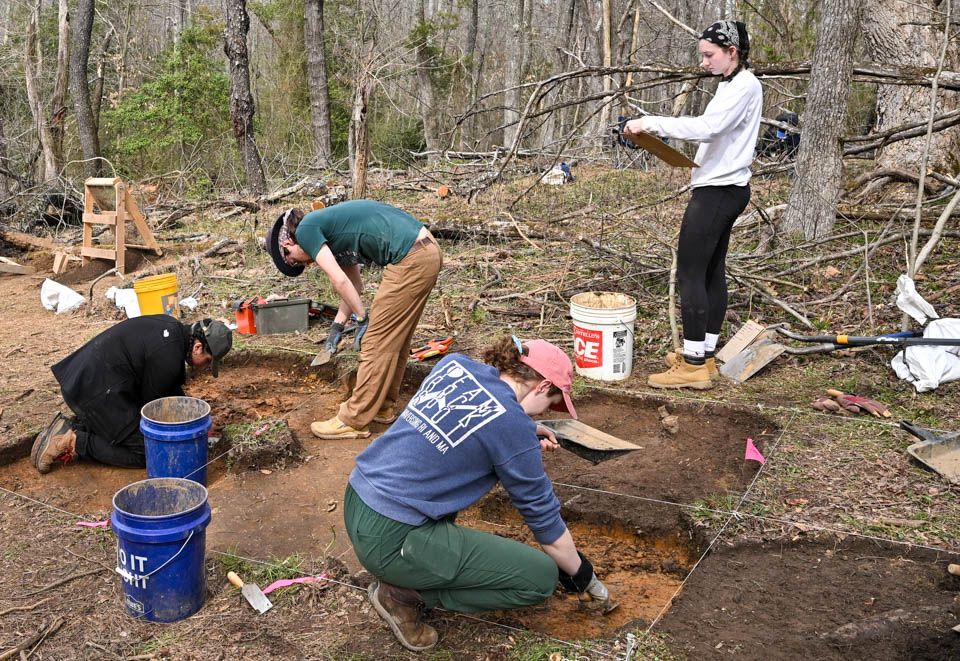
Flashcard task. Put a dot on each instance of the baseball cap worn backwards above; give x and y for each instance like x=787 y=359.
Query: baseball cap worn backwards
x=219 y=340
x=553 y=364
x=275 y=236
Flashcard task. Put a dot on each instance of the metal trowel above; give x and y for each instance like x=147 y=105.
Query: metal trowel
x=252 y=592
x=586 y=441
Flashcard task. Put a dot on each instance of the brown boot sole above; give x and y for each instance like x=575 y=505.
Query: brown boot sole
x=696 y=385
x=385 y=420
x=372 y=594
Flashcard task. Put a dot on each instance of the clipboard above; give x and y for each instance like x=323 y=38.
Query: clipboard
x=660 y=149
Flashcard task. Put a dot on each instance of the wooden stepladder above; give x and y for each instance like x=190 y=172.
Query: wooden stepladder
x=107 y=201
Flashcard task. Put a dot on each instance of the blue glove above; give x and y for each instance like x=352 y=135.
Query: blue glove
x=333 y=340
x=361 y=329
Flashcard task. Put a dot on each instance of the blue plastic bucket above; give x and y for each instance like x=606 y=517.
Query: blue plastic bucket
x=175 y=432
x=161 y=539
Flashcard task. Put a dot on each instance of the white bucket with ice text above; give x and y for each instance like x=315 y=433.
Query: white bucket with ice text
x=603 y=334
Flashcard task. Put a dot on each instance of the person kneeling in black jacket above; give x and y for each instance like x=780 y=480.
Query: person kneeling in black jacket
x=109 y=379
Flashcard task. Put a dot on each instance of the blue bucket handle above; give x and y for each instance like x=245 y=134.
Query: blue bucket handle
x=127 y=576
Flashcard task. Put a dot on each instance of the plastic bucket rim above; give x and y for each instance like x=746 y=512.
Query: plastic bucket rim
x=192 y=484
x=154 y=282
x=631 y=304
x=154 y=421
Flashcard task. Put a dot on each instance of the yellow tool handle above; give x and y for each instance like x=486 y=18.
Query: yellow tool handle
x=835 y=393
x=232 y=576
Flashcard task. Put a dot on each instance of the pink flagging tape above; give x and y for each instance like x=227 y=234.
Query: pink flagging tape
x=94 y=524
x=287 y=582
x=753 y=453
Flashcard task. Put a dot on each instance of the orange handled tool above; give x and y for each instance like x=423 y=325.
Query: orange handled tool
x=435 y=347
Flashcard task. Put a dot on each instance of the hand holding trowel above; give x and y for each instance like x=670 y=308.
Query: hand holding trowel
x=252 y=593
x=335 y=339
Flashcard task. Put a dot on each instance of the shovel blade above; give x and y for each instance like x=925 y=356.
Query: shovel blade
x=753 y=359
x=256 y=598
x=322 y=358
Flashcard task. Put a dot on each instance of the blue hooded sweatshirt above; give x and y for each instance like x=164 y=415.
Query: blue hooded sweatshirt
x=461 y=433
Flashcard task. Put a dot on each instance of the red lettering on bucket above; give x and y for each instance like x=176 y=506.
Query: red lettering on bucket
x=588 y=347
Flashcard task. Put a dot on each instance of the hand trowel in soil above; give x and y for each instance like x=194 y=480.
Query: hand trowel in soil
x=586 y=441
x=252 y=592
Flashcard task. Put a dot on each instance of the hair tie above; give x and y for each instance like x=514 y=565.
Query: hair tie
x=516 y=340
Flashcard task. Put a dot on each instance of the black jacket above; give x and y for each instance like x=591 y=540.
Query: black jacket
x=108 y=380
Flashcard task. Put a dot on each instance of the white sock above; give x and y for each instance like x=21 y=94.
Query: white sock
x=694 y=349
x=710 y=342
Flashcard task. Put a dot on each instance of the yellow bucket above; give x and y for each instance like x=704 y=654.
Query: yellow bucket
x=157 y=294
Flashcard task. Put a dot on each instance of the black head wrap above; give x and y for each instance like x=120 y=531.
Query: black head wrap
x=730 y=33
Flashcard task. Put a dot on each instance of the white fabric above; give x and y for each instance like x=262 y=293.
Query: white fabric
x=61 y=298
x=727 y=131
x=710 y=341
x=692 y=348
x=189 y=303
x=913 y=303
x=125 y=299
x=926 y=367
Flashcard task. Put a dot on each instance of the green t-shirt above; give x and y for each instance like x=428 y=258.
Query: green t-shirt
x=359 y=232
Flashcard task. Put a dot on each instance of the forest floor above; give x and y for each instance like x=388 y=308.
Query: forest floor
x=835 y=548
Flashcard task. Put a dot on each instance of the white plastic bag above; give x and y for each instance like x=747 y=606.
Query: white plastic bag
x=926 y=367
x=61 y=298
x=913 y=303
x=126 y=299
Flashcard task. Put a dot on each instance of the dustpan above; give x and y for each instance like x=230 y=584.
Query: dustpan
x=939 y=453
x=586 y=441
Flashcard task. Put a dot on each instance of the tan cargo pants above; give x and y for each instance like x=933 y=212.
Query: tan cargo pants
x=385 y=347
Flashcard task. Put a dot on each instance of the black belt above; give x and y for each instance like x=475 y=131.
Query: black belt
x=418 y=244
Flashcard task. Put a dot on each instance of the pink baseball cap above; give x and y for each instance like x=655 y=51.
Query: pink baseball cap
x=550 y=362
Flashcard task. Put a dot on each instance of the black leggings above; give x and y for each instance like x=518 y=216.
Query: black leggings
x=701 y=257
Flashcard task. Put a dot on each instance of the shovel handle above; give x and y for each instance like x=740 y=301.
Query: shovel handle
x=233 y=578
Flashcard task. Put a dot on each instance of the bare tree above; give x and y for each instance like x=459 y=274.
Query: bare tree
x=80 y=90
x=58 y=108
x=241 y=100
x=32 y=72
x=360 y=134
x=425 y=62
x=910 y=33
x=811 y=210
x=315 y=43
x=513 y=72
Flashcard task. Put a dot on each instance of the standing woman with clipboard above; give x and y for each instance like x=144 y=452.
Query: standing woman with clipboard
x=727 y=133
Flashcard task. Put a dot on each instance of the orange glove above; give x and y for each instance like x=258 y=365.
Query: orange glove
x=860 y=403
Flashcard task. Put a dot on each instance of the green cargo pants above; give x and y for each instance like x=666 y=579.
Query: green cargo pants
x=451 y=566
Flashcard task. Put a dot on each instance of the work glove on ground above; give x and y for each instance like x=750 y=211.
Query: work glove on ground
x=361 y=329
x=333 y=340
x=580 y=581
x=872 y=407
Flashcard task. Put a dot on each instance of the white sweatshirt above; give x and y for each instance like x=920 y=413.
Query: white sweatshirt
x=727 y=132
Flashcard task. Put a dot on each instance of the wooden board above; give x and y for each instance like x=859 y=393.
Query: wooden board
x=660 y=149
x=8 y=266
x=588 y=436
x=747 y=334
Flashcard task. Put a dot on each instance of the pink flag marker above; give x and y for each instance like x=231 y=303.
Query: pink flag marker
x=753 y=453
x=287 y=582
x=93 y=524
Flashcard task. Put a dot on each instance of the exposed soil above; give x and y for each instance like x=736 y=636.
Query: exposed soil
x=764 y=591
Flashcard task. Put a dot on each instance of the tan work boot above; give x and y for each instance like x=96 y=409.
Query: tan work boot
x=57 y=441
x=671 y=360
x=333 y=429
x=401 y=609
x=386 y=415
x=682 y=375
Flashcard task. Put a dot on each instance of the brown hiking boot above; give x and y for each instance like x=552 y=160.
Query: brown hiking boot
x=682 y=375
x=386 y=415
x=335 y=428
x=671 y=360
x=401 y=609
x=57 y=441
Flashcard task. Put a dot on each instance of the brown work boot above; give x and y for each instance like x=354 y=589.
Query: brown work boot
x=57 y=441
x=401 y=608
x=682 y=375
x=386 y=415
x=334 y=428
x=671 y=360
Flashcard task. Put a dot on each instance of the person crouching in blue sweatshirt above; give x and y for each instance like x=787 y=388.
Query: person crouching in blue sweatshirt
x=466 y=428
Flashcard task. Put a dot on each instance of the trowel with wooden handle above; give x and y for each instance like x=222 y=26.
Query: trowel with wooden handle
x=252 y=592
